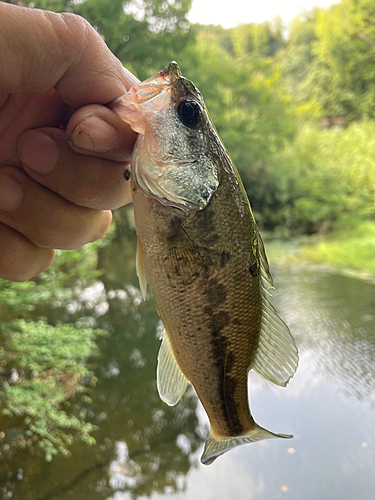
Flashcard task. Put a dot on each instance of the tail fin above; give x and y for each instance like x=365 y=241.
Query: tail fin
x=216 y=446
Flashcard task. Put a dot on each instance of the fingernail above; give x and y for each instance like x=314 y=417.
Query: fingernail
x=94 y=134
x=38 y=151
x=11 y=193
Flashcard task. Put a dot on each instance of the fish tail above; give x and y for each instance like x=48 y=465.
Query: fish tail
x=216 y=446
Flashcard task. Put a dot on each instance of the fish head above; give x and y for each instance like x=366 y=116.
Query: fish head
x=176 y=156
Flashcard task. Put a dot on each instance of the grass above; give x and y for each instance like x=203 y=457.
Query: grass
x=351 y=251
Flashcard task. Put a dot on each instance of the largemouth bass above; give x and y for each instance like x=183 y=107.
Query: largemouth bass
x=200 y=250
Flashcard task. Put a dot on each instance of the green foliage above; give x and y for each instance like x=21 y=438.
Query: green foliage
x=78 y=266
x=299 y=63
x=39 y=347
x=42 y=367
x=329 y=61
x=325 y=179
x=353 y=249
x=247 y=99
x=346 y=46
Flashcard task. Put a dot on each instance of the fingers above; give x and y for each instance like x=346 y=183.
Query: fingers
x=97 y=130
x=20 y=259
x=45 y=218
x=86 y=181
x=50 y=206
x=57 y=50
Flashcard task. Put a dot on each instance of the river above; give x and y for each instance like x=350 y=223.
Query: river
x=144 y=449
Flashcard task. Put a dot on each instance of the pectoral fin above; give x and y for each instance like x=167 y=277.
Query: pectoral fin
x=140 y=267
x=171 y=381
x=277 y=355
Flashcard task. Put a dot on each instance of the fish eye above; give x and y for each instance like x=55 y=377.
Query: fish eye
x=190 y=113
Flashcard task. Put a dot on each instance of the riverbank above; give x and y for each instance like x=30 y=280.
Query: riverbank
x=350 y=252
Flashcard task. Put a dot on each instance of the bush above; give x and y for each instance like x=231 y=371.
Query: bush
x=42 y=367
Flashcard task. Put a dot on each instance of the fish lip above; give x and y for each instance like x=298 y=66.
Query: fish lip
x=150 y=88
x=168 y=76
x=171 y=73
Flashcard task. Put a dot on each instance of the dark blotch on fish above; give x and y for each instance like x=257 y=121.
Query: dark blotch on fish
x=215 y=291
x=218 y=320
x=224 y=258
x=227 y=383
x=254 y=269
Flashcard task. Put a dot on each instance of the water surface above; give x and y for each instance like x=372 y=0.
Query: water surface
x=147 y=449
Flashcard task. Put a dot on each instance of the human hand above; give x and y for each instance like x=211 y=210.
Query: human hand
x=57 y=187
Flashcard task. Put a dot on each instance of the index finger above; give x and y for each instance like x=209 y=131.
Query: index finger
x=42 y=50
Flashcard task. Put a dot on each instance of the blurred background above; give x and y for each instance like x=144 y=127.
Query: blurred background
x=292 y=94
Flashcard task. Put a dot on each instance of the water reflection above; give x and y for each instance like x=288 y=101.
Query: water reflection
x=147 y=449
x=333 y=319
x=151 y=442
x=123 y=472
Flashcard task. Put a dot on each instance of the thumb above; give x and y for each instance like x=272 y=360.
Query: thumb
x=43 y=50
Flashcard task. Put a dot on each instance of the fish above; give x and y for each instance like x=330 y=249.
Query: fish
x=200 y=250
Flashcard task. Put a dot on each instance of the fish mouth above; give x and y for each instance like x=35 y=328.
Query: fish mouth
x=162 y=81
x=150 y=88
x=153 y=95
x=171 y=73
x=169 y=81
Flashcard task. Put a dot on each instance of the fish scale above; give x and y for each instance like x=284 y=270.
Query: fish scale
x=200 y=250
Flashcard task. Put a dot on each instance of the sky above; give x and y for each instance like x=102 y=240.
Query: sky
x=229 y=13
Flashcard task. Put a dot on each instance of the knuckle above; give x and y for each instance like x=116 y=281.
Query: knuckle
x=75 y=23
x=79 y=30
x=90 y=196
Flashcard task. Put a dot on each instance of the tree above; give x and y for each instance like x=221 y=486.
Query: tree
x=299 y=62
x=346 y=46
x=248 y=102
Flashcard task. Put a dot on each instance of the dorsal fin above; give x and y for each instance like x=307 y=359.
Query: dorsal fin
x=277 y=355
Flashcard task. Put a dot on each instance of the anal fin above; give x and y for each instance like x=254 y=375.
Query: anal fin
x=171 y=381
